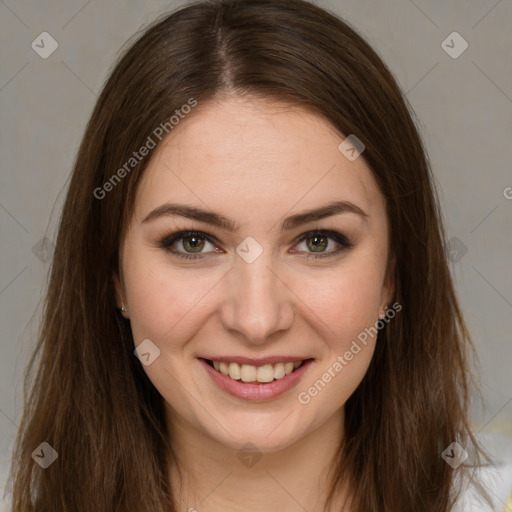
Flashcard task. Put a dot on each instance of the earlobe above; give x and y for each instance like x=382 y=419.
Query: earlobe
x=118 y=289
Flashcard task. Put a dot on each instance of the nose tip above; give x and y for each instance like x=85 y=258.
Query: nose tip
x=259 y=305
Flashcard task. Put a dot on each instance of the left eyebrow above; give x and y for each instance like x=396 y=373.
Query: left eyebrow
x=334 y=208
x=291 y=222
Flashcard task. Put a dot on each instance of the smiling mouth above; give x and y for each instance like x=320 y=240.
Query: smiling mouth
x=258 y=374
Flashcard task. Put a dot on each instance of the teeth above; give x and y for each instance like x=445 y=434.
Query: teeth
x=234 y=371
x=279 y=372
x=265 y=373
x=247 y=372
x=288 y=368
x=250 y=373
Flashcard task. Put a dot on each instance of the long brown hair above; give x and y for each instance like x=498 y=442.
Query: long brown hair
x=91 y=400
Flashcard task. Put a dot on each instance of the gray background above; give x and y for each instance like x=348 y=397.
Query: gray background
x=464 y=107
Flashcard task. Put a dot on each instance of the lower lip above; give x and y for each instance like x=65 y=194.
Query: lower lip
x=257 y=391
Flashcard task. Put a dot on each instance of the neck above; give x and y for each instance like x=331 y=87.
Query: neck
x=214 y=478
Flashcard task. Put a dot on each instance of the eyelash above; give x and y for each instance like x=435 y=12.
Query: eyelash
x=167 y=242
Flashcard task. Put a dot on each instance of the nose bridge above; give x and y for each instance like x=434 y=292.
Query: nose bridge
x=258 y=299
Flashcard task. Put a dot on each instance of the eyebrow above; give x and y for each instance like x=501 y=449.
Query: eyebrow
x=218 y=220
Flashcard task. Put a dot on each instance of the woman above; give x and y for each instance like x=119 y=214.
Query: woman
x=250 y=306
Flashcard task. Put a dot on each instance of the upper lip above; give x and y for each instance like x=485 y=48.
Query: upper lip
x=260 y=361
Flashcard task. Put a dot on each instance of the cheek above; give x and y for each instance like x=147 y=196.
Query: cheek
x=344 y=310
x=162 y=301
x=339 y=302
x=345 y=301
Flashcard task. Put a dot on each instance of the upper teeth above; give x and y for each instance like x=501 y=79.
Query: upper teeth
x=250 y=373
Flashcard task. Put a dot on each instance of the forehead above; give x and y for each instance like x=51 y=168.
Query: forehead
x=255 y=153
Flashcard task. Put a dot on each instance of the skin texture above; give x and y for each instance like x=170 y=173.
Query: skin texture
x=256 y=162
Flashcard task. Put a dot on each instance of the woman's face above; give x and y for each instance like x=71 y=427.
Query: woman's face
x=250 y=290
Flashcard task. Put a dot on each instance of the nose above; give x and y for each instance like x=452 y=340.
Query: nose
x=258 y=302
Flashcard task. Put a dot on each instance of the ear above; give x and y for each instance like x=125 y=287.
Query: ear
x=388 y=290
x=119 y=290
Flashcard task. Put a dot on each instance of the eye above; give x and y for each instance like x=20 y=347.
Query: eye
x=318 y=241
x=193 y=243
